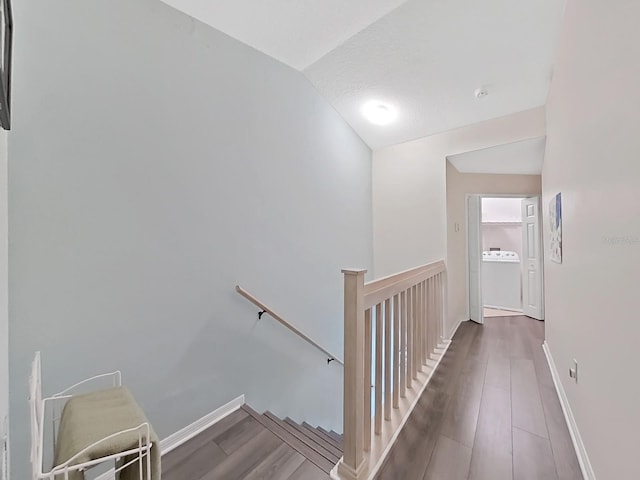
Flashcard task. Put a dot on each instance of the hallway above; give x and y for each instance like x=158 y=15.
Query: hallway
x=489 y=413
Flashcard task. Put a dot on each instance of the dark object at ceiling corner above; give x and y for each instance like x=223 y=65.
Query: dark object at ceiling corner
x=6 y=46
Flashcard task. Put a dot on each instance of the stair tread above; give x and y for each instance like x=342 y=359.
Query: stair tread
x=314 y=436
x=336 y=436
x=327 y=438
x=303 y=438
x=286 y=436
x=331 y=434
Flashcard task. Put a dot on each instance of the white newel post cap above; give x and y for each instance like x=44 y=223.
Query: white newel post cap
x=354 y=271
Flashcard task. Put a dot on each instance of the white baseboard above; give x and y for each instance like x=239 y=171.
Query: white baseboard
x=187 y=433
x=455 y=329
x=578 y=444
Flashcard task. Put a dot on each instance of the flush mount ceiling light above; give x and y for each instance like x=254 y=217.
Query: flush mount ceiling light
x=379 y=113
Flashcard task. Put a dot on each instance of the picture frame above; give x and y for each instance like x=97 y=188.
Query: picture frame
x=6 y=50
x=555 y=228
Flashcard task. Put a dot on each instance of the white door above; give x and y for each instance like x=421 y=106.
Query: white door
x=532 y=291
x=474 y=219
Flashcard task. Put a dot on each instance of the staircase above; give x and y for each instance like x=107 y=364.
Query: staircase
x=321 y=447
x=247 y=445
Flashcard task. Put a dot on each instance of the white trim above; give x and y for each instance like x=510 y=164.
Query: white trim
x=468 y=196
x=507 y=309
x=503 y=224
x=466 y=216
x=333 y=474
x=578 y=444
x=187 y=433
x=454 y=330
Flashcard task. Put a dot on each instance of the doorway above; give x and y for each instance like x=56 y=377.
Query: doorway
x=504 y=256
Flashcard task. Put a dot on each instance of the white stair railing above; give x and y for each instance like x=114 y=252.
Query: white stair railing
x=407 y=311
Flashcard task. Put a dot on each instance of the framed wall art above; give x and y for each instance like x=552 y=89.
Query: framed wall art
x=555 y=228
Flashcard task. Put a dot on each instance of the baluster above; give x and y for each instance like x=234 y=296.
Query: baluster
x=421 y=325
x=427 y=334
x=445 y=303
x=430 y=317
x=397 y=365
x=409 y=338
x=426 y=321
x=367 y=379
x=416 y=340
x=441 y=298
x=403 y=344
x=434 y=312
x=378 y=413
x=387 y=359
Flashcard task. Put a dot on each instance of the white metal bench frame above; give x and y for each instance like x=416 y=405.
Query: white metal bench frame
x=38 y=406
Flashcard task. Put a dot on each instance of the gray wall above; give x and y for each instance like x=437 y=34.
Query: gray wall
x=154 y=164
x=591 y=157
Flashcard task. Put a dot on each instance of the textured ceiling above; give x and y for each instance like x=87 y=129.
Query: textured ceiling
x=296 y=32
x=425 y=57
x=524 y=158
x=428 y=57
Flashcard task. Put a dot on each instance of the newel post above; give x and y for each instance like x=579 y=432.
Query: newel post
x=354 y=464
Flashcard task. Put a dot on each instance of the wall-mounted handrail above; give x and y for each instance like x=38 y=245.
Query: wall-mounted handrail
x=275 y=316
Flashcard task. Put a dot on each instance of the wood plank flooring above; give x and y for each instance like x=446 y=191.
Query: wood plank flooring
x=241 y=446
x=490 y=412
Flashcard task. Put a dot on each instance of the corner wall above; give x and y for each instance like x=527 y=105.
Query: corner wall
x=458 y=186
x=410 y=196
x=155 y=164
x=591 y=157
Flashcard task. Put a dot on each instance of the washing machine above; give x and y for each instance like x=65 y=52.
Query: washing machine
x=501 y=280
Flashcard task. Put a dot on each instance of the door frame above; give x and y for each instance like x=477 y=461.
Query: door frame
x=466 y=253
x=477 y=228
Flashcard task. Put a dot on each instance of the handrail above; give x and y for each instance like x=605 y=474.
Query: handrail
x=277 y=317
x=383 y=288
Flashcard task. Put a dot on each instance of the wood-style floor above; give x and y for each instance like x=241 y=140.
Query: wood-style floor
x=240 y=446
x=490 y=412
x=496 y=312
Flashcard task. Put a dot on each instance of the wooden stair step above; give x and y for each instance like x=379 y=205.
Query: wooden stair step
x=303 y=438
x=312 y=435
x=336 y=436
x=327 y=438
x=336 y=439
x=321 y=461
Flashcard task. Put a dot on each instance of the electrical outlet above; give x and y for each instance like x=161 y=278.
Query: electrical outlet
x=573 y=370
